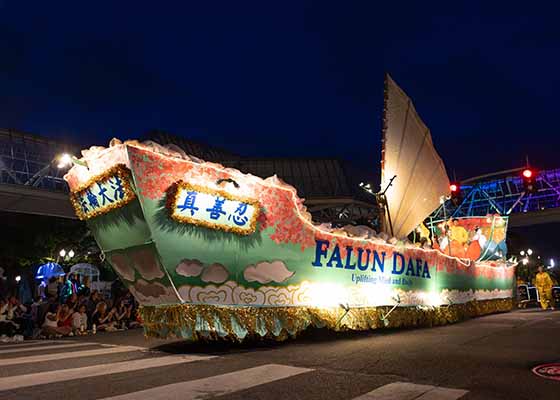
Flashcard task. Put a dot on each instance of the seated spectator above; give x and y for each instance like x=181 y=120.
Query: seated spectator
x=80 y=320
x=123 y=315
x=51 y=325
x=64 y=319
x=7 y=325
x=92 y=302
x=103 y=320
x=21 y=316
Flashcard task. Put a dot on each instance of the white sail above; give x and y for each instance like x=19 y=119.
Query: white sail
x=409 y=154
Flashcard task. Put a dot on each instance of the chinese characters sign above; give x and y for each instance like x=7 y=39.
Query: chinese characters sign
x=213 y=209
x=103 y=193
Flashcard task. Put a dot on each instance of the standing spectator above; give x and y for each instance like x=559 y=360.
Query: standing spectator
x=42 y=290
x=80 y=320
x=544 y=287
x=52 y=287
x=83 y=289
x=73 y=278
x=67 y=289
x=72 y=302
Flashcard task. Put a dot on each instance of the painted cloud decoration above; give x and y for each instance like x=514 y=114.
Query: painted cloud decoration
x=189 y=268
x=266 y=272
x=121 y=264
x=215 y=273
x=147 y=264
x=148 y=293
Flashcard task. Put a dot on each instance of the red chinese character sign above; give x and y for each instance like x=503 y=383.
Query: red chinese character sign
x=103 y=193
x=212 y=209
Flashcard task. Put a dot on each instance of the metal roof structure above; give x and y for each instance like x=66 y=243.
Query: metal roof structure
x=29 y=176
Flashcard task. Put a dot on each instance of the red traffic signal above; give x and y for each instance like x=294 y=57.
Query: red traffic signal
x=529 y=178
x=455 y=190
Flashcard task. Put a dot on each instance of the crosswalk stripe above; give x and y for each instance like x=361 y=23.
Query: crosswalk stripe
x=71 y=354
x=412 y=391
x=215 y=385
x=63 y=375
x=41 y=348
x=30 y=343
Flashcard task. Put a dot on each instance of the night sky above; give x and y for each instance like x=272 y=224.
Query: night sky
x=287 y=79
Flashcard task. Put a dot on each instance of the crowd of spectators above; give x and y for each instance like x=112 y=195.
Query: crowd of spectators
x=67 y=307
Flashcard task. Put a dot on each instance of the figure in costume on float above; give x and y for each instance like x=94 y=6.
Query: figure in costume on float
x=458 y=237
x=476 y=244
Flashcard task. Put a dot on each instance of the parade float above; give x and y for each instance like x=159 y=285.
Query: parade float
x=210 y=252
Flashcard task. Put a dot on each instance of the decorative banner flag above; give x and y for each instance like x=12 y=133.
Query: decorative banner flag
x=212 y=209
x=103 y=193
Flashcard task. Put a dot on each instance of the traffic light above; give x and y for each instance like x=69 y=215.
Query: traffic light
x=455 y=190
x=529 y=177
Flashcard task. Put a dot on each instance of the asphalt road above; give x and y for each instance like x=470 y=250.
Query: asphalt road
x=484 y=358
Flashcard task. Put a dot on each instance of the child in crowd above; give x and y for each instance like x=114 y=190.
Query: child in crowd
x=80 y=320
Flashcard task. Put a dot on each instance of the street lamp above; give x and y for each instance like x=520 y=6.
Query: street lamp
x=64 y=161
x=529 y=251
x=62 y=253
x=18 y=278
x=522 y=252
x=71 y=254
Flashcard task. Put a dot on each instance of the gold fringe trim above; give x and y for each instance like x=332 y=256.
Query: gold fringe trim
x=237 y=323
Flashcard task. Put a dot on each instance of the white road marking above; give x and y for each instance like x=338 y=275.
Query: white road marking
x=215 y=385
x=71 y=354
x=40 y=348
x=30 y=343
x=63 y=375
x=412 y=391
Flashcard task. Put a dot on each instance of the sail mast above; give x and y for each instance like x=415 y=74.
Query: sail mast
x=409 y=154
x=381 y=198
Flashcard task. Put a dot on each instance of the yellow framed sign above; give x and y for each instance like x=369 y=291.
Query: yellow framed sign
x=214 y=209
x=103 y=193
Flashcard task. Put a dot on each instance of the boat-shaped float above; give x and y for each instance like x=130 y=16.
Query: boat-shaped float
x=211 y=252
